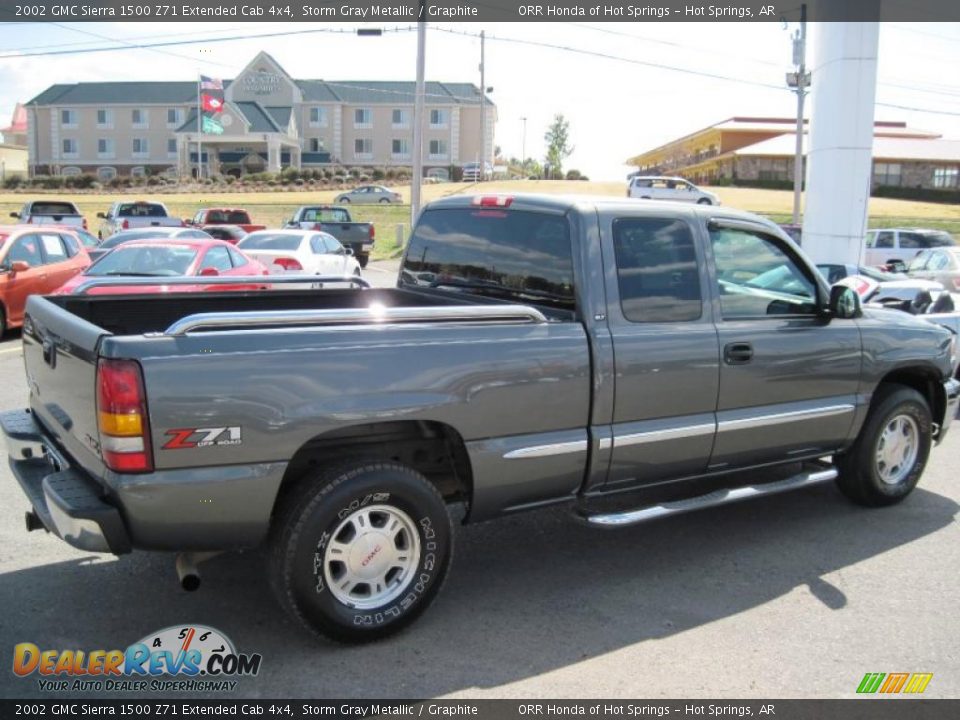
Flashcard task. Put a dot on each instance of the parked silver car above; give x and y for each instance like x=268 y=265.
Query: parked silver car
x=677 y=189
x=896 y=247
x=891 y=286
x=370 y=195
x=941 y=265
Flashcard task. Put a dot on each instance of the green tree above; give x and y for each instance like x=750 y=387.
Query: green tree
x=559 y=148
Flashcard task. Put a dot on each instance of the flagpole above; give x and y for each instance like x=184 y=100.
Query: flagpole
x=199 y=132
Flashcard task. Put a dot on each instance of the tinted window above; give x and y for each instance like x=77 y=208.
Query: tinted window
x=758 y=278
x=26 y=249
x=884 y=240
x=270 y=241
x=499 y=252
x=936 y=239
x=656 y=270
x=141 y=210
x=217 y=257
x=54 y=208
x=911 y=241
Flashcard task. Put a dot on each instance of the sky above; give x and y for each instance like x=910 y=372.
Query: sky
x=624 y=87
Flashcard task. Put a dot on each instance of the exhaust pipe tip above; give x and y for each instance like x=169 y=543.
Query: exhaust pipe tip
x=190 y=582
x=187 y=570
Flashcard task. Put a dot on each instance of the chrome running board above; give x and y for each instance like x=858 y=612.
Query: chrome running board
x=718 y=497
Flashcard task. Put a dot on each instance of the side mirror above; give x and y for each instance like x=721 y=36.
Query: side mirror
x=844 y=303
x=102 y=215
x=209 y=272
x=15 y=215
x=19 y=266
x=348 y=251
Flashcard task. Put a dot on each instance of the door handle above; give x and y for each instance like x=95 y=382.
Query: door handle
x=738 y=353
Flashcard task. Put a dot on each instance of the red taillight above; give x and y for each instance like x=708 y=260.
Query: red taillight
x=125 y=224
x=956 y=284
x=318 y=226
x=372 y=232
x=288 y=263
x=493 y=201
x=84 y=223
x=122 y=417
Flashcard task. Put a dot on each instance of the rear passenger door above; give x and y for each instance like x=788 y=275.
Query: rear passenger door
x=665 y=349
x=788 y=378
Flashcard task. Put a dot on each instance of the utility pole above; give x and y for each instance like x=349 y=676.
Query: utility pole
x=483 y=113
x=799 y=81
x=523 y=148
x=418 y=109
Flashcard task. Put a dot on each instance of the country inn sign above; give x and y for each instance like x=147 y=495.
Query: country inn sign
x=270 y=121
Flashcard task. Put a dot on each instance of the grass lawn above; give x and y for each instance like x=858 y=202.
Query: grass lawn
x=272 y=208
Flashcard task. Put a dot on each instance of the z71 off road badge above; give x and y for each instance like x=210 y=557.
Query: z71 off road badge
x=188 y=438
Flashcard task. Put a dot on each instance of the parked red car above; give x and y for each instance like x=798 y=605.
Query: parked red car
x=34 y=260
x=182 y=257
x=224 y=216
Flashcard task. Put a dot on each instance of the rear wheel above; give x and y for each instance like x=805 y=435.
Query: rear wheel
x=885 y=463
x=357 y=553
x=384 y=201
x=363 y=259
x=704 y=201
x=344 y=200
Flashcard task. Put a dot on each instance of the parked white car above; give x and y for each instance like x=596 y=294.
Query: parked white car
x=898 y=246
x=300 y=252
x=677 y=189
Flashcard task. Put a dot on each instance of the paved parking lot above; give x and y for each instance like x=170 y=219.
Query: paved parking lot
x=793 y=596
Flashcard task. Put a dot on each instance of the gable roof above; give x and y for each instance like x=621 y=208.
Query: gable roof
x=18 y=122
x=258 y=118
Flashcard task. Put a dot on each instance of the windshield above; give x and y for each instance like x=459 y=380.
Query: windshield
x=504 y=253
x=268 y=241
x=228 y=217
x=141 y=210
x=53 y=208
x=148 y=260
x=337 y=215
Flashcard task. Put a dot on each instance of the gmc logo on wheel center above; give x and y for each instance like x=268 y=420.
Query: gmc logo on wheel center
x=188 y=438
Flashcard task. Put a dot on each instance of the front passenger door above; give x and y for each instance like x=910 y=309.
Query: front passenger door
x=788 y=377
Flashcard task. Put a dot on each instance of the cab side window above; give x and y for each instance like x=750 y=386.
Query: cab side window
x=218 y=258
x=884 y=240
x=758 y=278
x=657 y=270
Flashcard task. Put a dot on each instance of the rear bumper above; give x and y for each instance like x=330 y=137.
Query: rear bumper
x=952 y=390
x=66 y=501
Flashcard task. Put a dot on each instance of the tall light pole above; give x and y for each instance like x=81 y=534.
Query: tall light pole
x=483 y=112
x=523 y=148
x=799 y=81
x=418 y=110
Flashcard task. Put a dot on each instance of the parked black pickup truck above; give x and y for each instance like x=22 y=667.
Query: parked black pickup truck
x=337 y=221
x=632 y=360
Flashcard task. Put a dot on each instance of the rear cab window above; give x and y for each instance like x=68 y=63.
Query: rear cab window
x=514 y=255
x=141 y=210
x=53 y=208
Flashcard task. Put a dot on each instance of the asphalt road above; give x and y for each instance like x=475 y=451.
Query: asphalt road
x=792 y=596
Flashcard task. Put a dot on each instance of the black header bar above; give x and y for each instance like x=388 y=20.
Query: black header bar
x=392 y=12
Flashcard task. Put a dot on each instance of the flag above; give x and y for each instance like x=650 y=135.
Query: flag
x=211 y=126
x=208 y=83
x=211 y=104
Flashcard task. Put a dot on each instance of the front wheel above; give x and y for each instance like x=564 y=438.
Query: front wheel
x=384 y=201
x=704 y=201
x=885 y=463
x=344 y=200
x=357 y=553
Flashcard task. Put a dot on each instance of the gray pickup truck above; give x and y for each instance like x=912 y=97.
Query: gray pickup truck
x=631 y=360
x=337 y=221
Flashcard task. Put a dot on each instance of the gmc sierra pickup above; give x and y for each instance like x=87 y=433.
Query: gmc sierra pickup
x=630 y=359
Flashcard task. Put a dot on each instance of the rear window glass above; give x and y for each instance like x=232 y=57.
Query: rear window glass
x=257 y=241
x=937 y=239
x=141 y=210
x=231 y=217
x=325 y=215
x=145 y=260
x=128 y=235
x=498 y=252
x=53 y=208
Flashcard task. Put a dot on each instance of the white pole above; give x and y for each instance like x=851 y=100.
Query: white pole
x=483 y=113
x=801 y=95
x=199 y=132
x=418 y=110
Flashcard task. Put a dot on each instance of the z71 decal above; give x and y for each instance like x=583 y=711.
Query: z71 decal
x=187 y=438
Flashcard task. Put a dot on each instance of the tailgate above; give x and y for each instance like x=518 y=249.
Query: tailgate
x=60 y=356
x=135 y=222
x=70 y=220
x=349 y=233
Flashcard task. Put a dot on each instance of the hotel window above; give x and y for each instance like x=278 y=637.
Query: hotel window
x=438 y=149
x=68 y=118
x=401 y=118
x=886 y=174
x=363 y=148
x=772 y=169
x=138 y=117
x=362 y=118
x=141 y=148
x=105 y=119
x=945 y=177
x=172 y=147
x=174 y=117
x=439 y=118
x=400 y=148
x=318 y=117
x=70 y=147
x=104 y=148
x=316 y=145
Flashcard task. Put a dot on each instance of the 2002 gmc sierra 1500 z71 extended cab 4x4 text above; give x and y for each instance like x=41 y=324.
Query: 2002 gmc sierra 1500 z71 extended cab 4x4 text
x=631 y=359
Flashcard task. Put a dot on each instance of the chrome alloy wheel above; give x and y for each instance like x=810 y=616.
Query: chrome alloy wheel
x=371 y=557
x=897 y=449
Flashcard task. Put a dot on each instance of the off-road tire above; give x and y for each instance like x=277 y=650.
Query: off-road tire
x=363 y=260
x=301 y=535
x=860 y=478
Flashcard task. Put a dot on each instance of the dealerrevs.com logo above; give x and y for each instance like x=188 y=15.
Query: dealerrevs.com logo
x=186 y=658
